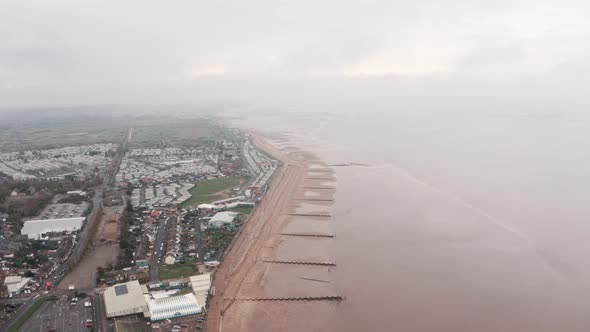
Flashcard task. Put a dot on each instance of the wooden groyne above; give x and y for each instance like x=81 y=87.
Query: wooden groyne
x=308 y=234
x=313 y=199
x=304 y=298
x=327 y=215
x=300 y=263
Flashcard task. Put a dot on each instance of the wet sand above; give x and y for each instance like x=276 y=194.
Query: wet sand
x=259 y=264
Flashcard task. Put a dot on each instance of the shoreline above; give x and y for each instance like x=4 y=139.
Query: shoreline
x=244 y=251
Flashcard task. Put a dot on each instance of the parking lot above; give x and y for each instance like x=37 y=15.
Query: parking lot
x=63 y=210
x=61 y=316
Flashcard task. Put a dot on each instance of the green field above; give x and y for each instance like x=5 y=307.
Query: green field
x=22 y=319
x=244 y=209
x=174 y=131
x=204 y=191
x=177 y=271
x=64 y=129
x=58 y=135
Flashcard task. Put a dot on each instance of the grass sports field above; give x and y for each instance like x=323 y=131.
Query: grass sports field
x=177 y=271
x=208 y=191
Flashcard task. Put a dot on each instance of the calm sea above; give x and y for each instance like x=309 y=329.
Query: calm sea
x=456 y=221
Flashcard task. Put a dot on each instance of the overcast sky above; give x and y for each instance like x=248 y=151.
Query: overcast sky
x=62 y=52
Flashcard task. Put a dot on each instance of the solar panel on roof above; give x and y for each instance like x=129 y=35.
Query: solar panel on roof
x=121 y=290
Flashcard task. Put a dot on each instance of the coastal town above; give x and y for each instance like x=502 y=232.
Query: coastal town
x=125 y=235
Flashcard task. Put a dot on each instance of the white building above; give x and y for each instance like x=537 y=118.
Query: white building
x=126 y=299
x=34 y=228
x=229 y=200
x=15 y=284
x=201 y=284
x=170 y=259
x=207 y=207
x=174 y=306
x=222 y=218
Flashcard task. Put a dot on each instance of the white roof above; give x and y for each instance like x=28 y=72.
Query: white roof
x=174 y=306
x=201 y=285
x=223 y=217
x=163 y=294
x=200 y=280
x=15 y=287
x=12 y=279
x=125 y=299
x=34 y=228
x=231 y=199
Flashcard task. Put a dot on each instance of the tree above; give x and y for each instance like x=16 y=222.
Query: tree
x=36 y=245
x=129 y=189
x=124 y=244
x=129 y=207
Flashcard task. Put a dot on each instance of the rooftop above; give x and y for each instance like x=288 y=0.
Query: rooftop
x=125 y=299
x=174 y=306
x=34 y=228
x=224 y=217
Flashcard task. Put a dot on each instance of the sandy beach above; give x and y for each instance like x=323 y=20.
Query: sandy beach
x=291 y=225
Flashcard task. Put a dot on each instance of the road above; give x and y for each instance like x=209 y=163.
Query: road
x=92 y=218
x=90 y=221
x=159 y=249
x=21 y=310
x=198 y=241
x=61 y=315
x=100 y=313
x=110 y=181
x=17 y=300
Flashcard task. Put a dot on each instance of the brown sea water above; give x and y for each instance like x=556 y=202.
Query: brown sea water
x=455 y=222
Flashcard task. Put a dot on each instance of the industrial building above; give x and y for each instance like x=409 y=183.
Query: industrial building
x=201 y=284
x=126 y=299
x=15 y=284
x=174 y=306
x=222 y=218
x=34 y=229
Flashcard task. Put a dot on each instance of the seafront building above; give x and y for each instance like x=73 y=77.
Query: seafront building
x=172 y=307
x=131 y=298
x=221 y=219
x=126 y=299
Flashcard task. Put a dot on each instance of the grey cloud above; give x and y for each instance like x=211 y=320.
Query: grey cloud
x=70 y=52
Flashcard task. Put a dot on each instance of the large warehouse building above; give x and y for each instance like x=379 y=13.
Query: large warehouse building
x=131 y=298
x=34 y=229
x=126 y=299
x=174 y=306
